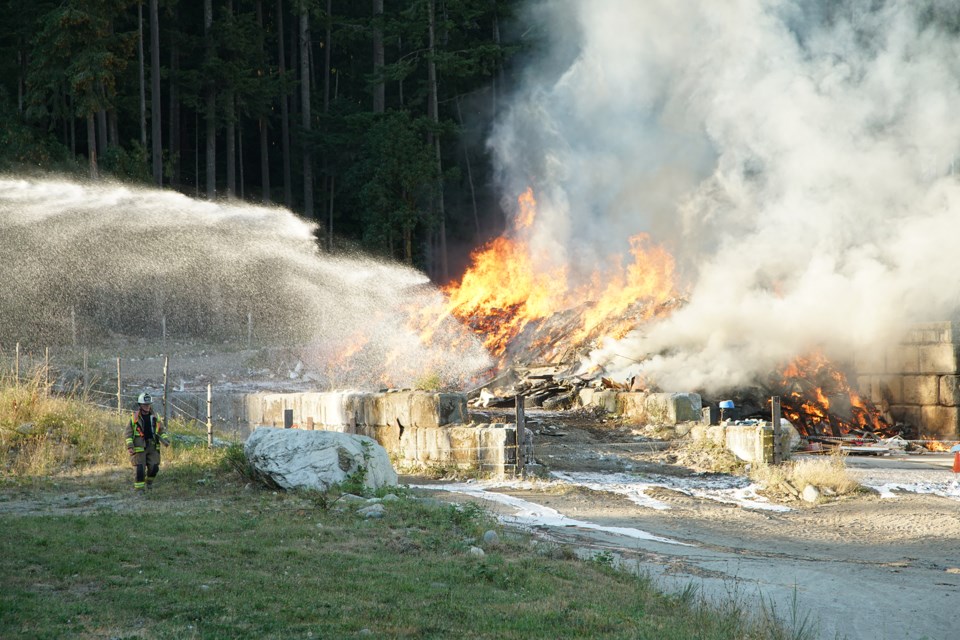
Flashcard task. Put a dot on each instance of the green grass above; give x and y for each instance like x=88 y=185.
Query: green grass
x=214 y=560
x=209 y=553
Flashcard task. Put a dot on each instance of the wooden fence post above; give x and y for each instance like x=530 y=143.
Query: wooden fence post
x=166 y=402
x=521 y=428
x=775 y=417
x=210 y=415
x=119 y=387
x=86 y=374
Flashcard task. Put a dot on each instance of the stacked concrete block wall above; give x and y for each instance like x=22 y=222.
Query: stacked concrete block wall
x=650 y=408
x=918 y=379
x=416 y=428
x=749 y=442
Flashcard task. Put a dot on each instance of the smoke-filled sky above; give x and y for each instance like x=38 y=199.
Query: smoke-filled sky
x=798 y=157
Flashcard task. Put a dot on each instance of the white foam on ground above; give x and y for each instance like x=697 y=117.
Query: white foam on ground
x=724 y=489
x=531 y=514
x=887 y=482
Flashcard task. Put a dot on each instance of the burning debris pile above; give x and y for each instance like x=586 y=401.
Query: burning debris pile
x=541 y=326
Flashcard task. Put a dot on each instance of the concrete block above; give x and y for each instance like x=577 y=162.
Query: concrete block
x=396 y=409
x=939 y=358
x=387 y=435
x=921 y=389
x=941 y=423
x=717 y=434
x=585 y=396
x=868 y=386
x=950 y=391
x=903 y=359
x=933 y=333
x=437 y=409
x=891 y=389
x=408 y=446
x=463 y=446
x=742 y=441
x=908 y=414
x=698 y=432
x=604 y=398
x=495 y=445
x=660 y=408
x=710 y=415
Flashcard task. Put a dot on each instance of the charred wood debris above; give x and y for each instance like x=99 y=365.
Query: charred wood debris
x=854 y=429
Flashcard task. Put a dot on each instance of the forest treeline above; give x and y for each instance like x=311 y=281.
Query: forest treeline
x=366 y=116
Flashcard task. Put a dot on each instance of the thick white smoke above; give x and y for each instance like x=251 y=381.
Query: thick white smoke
x=797 y=157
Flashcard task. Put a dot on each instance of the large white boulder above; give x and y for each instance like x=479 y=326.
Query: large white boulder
x=317 y=459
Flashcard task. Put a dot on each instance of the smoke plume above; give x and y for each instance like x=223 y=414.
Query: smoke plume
x=798 y=157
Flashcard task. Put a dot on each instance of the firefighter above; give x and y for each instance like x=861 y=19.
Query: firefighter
x=144 y=435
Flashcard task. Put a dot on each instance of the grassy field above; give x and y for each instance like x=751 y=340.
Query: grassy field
x=210 y=554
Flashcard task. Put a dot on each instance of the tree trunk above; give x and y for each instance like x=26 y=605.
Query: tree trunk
x=231 y=151
x=435 y=116
x=400 y=81
x=143 y=82
x=21 y=79
x=262 y=124
x=231 y=132
x=473 y=191
x=157 y=141
x=113 y=129
x=284 y=112
x=92 y=146
x=496 y=80
x=331 y=182
x=211 y=105
x=379 y=94
x=174 y=119
x=73 y=129
x=240 y=158
x=101 y=131
x=327 y=47
x=305 y=109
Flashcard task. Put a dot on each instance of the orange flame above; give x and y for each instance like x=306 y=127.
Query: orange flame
x=935 y=445
x=811 y=382
x=507 y=288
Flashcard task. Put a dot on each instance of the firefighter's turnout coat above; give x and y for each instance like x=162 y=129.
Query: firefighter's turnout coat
x=143 y=430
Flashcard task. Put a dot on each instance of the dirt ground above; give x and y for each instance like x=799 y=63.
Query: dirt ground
x=859 y=567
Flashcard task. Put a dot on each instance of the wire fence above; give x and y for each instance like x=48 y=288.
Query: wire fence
x=70 y=373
